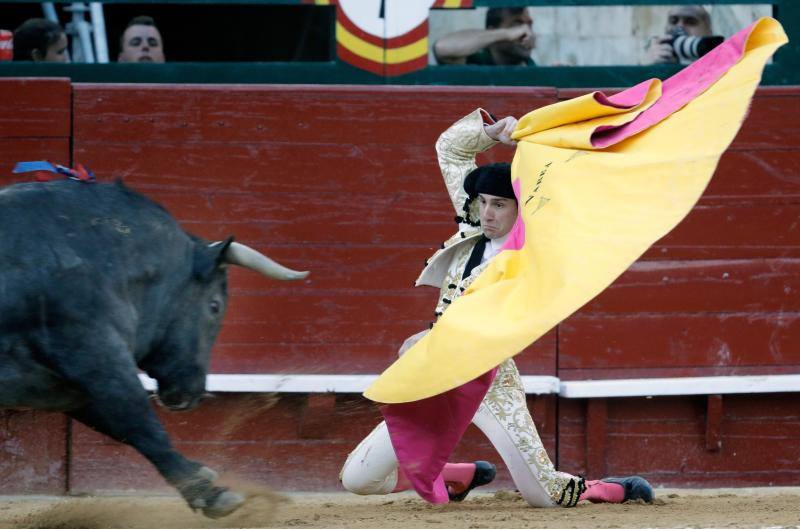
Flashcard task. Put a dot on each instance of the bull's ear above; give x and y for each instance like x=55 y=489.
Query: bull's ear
x=209 y=257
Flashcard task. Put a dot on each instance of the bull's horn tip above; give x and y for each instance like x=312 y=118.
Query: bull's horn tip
x=298 y=275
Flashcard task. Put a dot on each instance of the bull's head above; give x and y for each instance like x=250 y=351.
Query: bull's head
x=180 y=362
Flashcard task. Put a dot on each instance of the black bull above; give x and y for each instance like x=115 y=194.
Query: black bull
x=97 y=282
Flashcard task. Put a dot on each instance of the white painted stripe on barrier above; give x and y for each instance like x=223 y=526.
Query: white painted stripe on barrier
x=534 y=385
x=296 y=383
x=654 y=387
x=541 y=385
x=279 y=383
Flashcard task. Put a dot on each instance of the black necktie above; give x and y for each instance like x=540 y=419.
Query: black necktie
x=476 y=256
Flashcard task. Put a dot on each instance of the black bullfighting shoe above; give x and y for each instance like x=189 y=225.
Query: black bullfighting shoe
x=484 y=474
x=636 y=488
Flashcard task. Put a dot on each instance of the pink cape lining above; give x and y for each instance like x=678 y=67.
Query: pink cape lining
x=424 y=433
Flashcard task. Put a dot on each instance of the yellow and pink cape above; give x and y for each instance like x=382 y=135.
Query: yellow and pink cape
x=599 y=179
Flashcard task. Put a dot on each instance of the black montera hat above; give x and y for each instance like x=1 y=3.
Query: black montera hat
x=493 y=179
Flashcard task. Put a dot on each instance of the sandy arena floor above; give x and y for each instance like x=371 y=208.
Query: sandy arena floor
x=776 y=508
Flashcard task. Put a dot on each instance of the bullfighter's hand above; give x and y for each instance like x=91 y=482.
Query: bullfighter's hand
x=501 y=131
x=410 y=341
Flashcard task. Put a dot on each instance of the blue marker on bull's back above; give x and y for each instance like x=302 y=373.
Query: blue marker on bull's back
x=45 y=171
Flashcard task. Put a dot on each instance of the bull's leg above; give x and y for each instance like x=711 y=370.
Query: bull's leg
x=99 y=365
x=130 y=419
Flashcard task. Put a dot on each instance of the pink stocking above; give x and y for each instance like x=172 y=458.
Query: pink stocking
x=601 y=492
x=458 y=475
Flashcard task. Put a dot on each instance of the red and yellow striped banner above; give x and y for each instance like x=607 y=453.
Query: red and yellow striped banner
x=363 y=39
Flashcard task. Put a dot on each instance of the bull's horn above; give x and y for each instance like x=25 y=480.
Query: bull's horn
x=243 y=255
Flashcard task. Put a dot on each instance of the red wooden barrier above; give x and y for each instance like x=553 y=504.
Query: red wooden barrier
x=665 y=440
x=343 y=181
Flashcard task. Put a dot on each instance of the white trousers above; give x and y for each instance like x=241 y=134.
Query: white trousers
x=504 y=418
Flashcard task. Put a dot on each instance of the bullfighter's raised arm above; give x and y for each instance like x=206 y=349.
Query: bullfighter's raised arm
x=458 y=146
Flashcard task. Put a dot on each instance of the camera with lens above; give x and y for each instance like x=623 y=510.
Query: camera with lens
x=688 y=48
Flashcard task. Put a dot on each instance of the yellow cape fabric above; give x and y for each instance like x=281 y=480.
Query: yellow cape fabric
x=588 y=214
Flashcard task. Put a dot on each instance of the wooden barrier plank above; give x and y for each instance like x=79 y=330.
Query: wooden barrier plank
x=279 y=321
x=773 y=121
x=663 y=439
x=269 y=168
x=756 y=174
x=315 y=219
x=613 y=373
x=733 y=231
x=728 y=232
x=722 y=231
x=289 y=357
x=32 y=452
x=714 y=417
x=758 y=285
x=596 y=437
x=272 y=167
x=686 y=340
x=360 y=354
x=335 y=320
x=345 y=268
x=278 y=167
x=389 y=115
x=632 y=420
x=35 y=108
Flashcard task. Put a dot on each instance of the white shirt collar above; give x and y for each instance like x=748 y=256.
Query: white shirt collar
x=493 y=247
x=498 y=243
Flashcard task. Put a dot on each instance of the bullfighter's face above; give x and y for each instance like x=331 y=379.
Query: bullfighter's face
x=497 y=214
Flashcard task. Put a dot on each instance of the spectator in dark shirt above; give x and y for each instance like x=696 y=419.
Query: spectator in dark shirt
x=507 y=41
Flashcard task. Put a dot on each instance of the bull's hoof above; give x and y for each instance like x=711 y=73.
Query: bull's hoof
x=206 y=473
x=224 y=504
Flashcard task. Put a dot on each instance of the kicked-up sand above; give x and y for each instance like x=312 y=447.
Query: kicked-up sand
x=773 y=508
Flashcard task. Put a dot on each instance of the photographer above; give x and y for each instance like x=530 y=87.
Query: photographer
x=682 y=21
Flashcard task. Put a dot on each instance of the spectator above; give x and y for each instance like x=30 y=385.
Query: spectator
x=141 y=41
x=40 y=40
x=692 y=20
x=507 y=41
